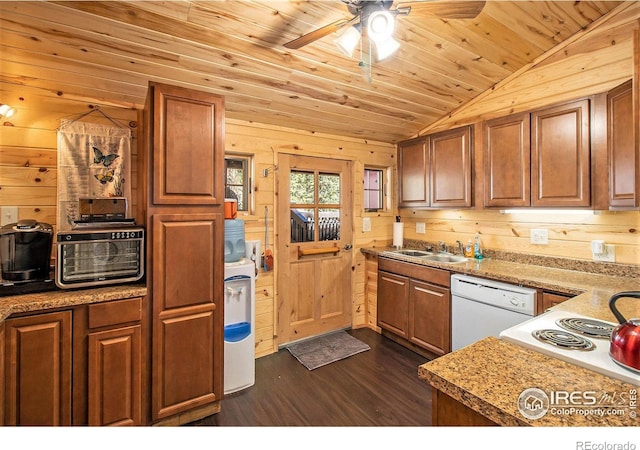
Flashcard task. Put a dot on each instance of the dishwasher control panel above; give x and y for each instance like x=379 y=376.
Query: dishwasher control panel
x=494 y=293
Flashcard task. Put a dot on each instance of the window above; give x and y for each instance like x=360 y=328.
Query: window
x=373 y=189
x=314 y=195
x=237 y=180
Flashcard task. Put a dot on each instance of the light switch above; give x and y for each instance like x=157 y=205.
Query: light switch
x=9 y=215
x=420 y=227
x=540 y=236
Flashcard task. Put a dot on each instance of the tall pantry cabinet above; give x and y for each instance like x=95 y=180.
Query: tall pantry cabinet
x=181 y=202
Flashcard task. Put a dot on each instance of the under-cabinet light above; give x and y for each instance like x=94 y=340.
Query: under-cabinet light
x=574 y=212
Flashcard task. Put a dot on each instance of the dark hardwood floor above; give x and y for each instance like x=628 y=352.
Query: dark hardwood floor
x=379 y=387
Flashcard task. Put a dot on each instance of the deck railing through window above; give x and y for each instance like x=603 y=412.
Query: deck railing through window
x=303 y=227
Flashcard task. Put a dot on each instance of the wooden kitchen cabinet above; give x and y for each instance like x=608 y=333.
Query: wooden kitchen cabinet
x=393 y=303
x=507 y=161
x=181 y=203
x=2 y=344
x=413 y=172
x=108 y=363
x=38 y=369
x=623 y=148
x=560 y=139
x=435 y=171
x=523 y=152
x=430 y=317
x=414 y=304
x=549 y=299
x=446 y=411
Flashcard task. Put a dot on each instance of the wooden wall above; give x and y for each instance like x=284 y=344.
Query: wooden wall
x=589 y=65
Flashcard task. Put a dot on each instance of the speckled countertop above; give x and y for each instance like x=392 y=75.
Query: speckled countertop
x=66 y=298
x=489 y=375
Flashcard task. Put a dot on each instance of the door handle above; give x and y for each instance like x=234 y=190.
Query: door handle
x=348 y=246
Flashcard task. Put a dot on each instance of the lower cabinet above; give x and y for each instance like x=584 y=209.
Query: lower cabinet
x=548 y=299
x=414 y=305
x=81 y=366
x=447 y=411
x=38 y=370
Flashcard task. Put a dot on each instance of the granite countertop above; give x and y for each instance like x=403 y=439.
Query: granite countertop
x=489 y=375
x=66 y=298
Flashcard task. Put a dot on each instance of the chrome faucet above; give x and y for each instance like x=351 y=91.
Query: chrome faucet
x=460 y=247
x=442 y=247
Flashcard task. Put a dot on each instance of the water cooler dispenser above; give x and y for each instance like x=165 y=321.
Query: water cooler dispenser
x=239 y=312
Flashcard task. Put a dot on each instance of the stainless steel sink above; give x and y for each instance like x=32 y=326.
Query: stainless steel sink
x=408 y=252
x=445 y=258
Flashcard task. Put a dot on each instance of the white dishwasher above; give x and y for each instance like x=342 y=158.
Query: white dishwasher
x=482 y=308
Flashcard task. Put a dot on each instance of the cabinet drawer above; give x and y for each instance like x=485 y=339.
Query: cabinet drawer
x=416 y=271
x=116 y=312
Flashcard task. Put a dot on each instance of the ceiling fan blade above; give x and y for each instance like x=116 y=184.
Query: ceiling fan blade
x=319 y=33
x=445 y=9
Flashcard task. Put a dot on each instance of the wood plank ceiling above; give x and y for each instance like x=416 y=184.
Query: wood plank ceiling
x=106 y=52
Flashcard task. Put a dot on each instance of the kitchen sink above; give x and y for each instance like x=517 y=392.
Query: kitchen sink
x=445 y=258
x=419 y=253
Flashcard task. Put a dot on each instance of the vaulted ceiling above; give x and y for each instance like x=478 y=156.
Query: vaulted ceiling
x=106 y=52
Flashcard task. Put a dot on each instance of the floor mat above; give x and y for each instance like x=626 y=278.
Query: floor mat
x=323 y=350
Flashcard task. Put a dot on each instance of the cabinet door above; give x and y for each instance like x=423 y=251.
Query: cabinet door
x=2 y=345
x=549 y=299
x=188 y=154
x=115 y=381
x=561 y=144
x=38 y=370
x=413 y=169
x=393 y=303
x=624 y=177
x=187 y=286
x=450 y=168
x=430 y=317
x=507 y=161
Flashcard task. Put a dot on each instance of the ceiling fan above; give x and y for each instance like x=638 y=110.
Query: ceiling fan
x=375 y=18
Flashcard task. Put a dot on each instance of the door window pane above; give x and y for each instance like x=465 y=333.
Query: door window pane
x=302 y=188
x=329 y=224
x=302 y=225
x=329 y=189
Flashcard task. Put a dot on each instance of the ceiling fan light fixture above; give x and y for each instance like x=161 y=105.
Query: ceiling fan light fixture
x=386 y=48
x=348 y=40
x=6 y=110
x=380 y=26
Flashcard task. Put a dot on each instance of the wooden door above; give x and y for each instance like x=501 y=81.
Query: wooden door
x=393 y=303
x=115 y=377
x=314 y=246
x=187 y=310
x=450 y=168
x=624 y=159
x=560 y=144
x=430 y=317
x=38 y=370
x=507 y=161
x=413 y=170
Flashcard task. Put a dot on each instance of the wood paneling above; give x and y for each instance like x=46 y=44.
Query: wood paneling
x=235 y=49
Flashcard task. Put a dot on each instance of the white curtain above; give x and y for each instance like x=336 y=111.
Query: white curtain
x=94 y=161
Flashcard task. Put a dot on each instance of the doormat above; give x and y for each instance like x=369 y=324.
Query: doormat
x=323 y=350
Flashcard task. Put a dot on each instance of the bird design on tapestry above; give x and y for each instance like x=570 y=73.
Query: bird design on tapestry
x=101 y=158
x=105 y=178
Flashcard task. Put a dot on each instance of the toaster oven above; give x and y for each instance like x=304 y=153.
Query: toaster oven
x=94 y=257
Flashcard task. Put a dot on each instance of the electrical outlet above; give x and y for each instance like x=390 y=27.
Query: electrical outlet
x=609 y=254
x=420 y=227
x=9 y=215
x=366 y=224
x=540 y=236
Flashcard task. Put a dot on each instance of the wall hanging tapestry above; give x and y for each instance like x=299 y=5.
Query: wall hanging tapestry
x=94 y=161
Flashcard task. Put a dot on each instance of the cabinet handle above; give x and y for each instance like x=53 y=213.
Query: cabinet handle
x=427 y=291
x=393 y=281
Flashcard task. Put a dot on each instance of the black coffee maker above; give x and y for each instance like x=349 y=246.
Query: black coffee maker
x=25 y=250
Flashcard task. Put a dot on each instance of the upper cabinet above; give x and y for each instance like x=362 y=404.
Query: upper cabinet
x=622 y=149
x=560 y=142
x=523 y=153
x=188 y=156
x=435 y=170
